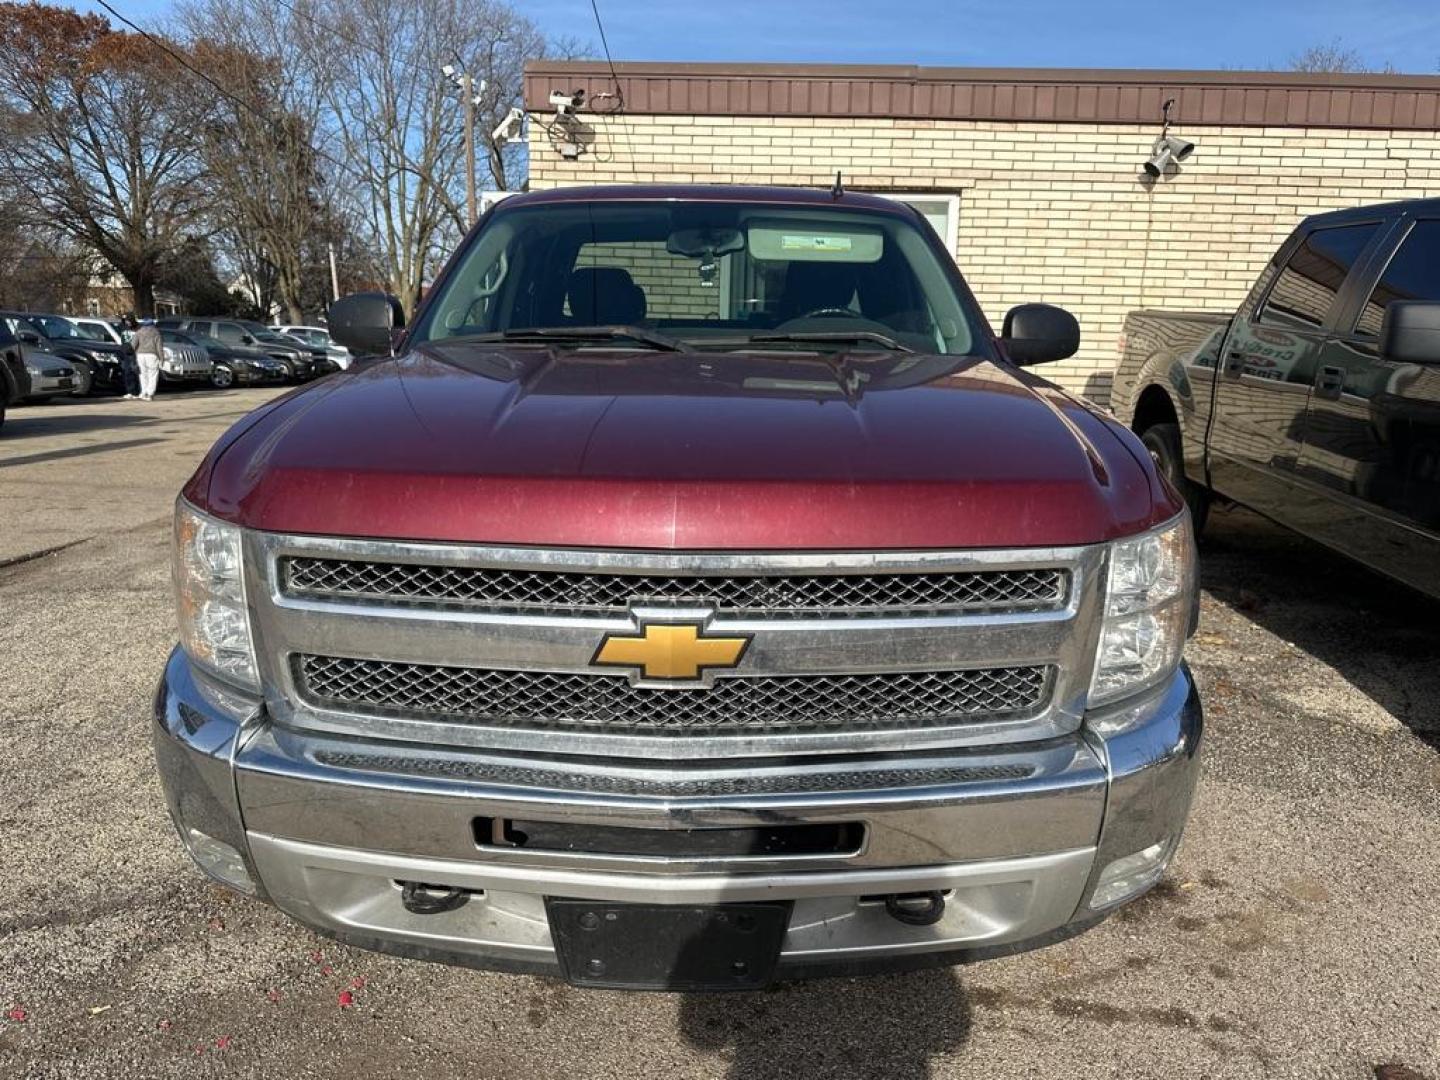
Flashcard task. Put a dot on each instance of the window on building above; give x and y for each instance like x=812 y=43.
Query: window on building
x=1413 y=274
x=940 y=210
x=1305 y=290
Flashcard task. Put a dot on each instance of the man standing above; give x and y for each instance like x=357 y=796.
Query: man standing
x=149 y=347
x=129 y=369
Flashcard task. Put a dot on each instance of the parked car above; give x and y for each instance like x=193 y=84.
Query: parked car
x=238 y=365
x=689 y=621
x=47 y=374
x=319 y=336
x=1317 y=403
x=320 y=361
x=14 y=375
x=297 y=361
x=184 y=361
x=95 y=364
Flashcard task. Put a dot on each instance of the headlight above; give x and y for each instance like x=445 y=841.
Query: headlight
x=210 y=597
x=1149 y=605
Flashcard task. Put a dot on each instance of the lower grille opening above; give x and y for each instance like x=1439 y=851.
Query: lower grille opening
x=748 y=705
x=764 y=841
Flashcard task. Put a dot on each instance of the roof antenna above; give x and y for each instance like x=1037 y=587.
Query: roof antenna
x=839 y=188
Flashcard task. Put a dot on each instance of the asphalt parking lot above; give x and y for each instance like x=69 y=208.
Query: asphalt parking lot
x=1298 y=934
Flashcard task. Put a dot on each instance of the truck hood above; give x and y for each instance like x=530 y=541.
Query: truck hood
x=706 y=450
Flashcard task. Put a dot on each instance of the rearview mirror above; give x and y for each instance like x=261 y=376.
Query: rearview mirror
x=1410 y=333
x=29 y=337
x=1039 y=334
x=364 y=322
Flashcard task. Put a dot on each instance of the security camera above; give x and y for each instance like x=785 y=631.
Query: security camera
x=1167 y=149
x=566 y=101
x=510 y=127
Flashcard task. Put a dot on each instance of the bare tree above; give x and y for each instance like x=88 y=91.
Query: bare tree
x=395 y=121
x=102 y=144
x=1334 y=59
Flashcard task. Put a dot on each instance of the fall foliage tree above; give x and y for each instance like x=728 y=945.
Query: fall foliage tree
x=102 y=142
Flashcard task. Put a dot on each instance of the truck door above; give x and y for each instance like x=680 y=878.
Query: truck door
x=14 y=378
x=1268 y=366
x=1372 y=437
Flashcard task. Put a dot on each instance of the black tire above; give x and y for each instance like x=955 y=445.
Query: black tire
x=1163 y=443
x=84 y=379
x=2 y=405
x=222 y=377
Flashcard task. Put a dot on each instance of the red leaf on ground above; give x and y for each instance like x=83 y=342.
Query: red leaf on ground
x=327 y=970
x=17 y=1014
x=317 y=957
x=346 y=999
x=217 y=923
x=357 y=983
x=273 y=995
x=163 y=1025
x=199 y=1049
x=222 y=1043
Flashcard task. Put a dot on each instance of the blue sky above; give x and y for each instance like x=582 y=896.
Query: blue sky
x=1001 y=33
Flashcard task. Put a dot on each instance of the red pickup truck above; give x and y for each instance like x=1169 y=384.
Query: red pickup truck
x=697 y=593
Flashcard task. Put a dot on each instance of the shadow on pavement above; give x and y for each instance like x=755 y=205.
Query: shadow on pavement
x=886 y=1027
x=38 y=421
x=1380 y=636
x=75 y=451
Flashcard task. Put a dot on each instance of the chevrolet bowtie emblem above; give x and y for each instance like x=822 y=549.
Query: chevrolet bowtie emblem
x=670 y=651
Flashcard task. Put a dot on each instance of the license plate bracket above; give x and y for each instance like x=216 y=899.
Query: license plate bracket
x=668 y=946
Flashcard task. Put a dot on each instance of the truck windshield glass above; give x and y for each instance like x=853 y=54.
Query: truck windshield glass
x=710 y=275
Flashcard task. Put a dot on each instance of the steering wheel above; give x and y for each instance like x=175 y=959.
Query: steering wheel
x=828 y=313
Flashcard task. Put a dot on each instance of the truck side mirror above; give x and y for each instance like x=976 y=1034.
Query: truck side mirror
x=1039 y=334
x=1410 y=333
x=364 y=322
x=29 y=337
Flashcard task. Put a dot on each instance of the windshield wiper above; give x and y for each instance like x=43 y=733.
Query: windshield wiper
x=637 y=334
x=839 y=337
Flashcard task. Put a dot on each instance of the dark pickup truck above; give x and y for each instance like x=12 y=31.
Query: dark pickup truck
x=1318 y=402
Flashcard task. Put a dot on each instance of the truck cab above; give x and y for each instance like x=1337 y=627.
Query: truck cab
x=1317 y=402
x=695 y=593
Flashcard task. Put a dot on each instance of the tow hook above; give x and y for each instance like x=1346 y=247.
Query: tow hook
x=422 y=899
x=916 y=908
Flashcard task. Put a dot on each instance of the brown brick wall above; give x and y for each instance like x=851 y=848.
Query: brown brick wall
x=1048 y=211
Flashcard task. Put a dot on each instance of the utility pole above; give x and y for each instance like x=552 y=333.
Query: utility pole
x=463 y=82
x=334 y=275
x=468 y=90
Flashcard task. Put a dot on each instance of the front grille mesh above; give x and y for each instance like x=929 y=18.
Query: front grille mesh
x=735 y=705
x=558 y=590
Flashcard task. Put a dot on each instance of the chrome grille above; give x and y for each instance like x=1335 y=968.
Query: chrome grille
x=774 y=703
x=1034 y=589
x=677 y=786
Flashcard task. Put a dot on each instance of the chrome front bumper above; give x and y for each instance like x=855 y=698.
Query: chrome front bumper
x=1016 y=836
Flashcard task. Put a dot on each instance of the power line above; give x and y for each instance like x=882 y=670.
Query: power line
x=159 y=43
x=619 y=109
x=614 y=78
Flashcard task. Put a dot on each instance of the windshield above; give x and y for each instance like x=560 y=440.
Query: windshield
x=57 y=328
x=93 y=332
x=19 y=324
x=707 y=275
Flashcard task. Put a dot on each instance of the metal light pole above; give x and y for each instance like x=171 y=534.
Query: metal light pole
x=334 y=275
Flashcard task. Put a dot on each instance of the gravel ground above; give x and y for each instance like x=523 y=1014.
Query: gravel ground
x=1297 y=935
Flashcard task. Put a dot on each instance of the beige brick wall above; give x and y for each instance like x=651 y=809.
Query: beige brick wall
x=1048 y=212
